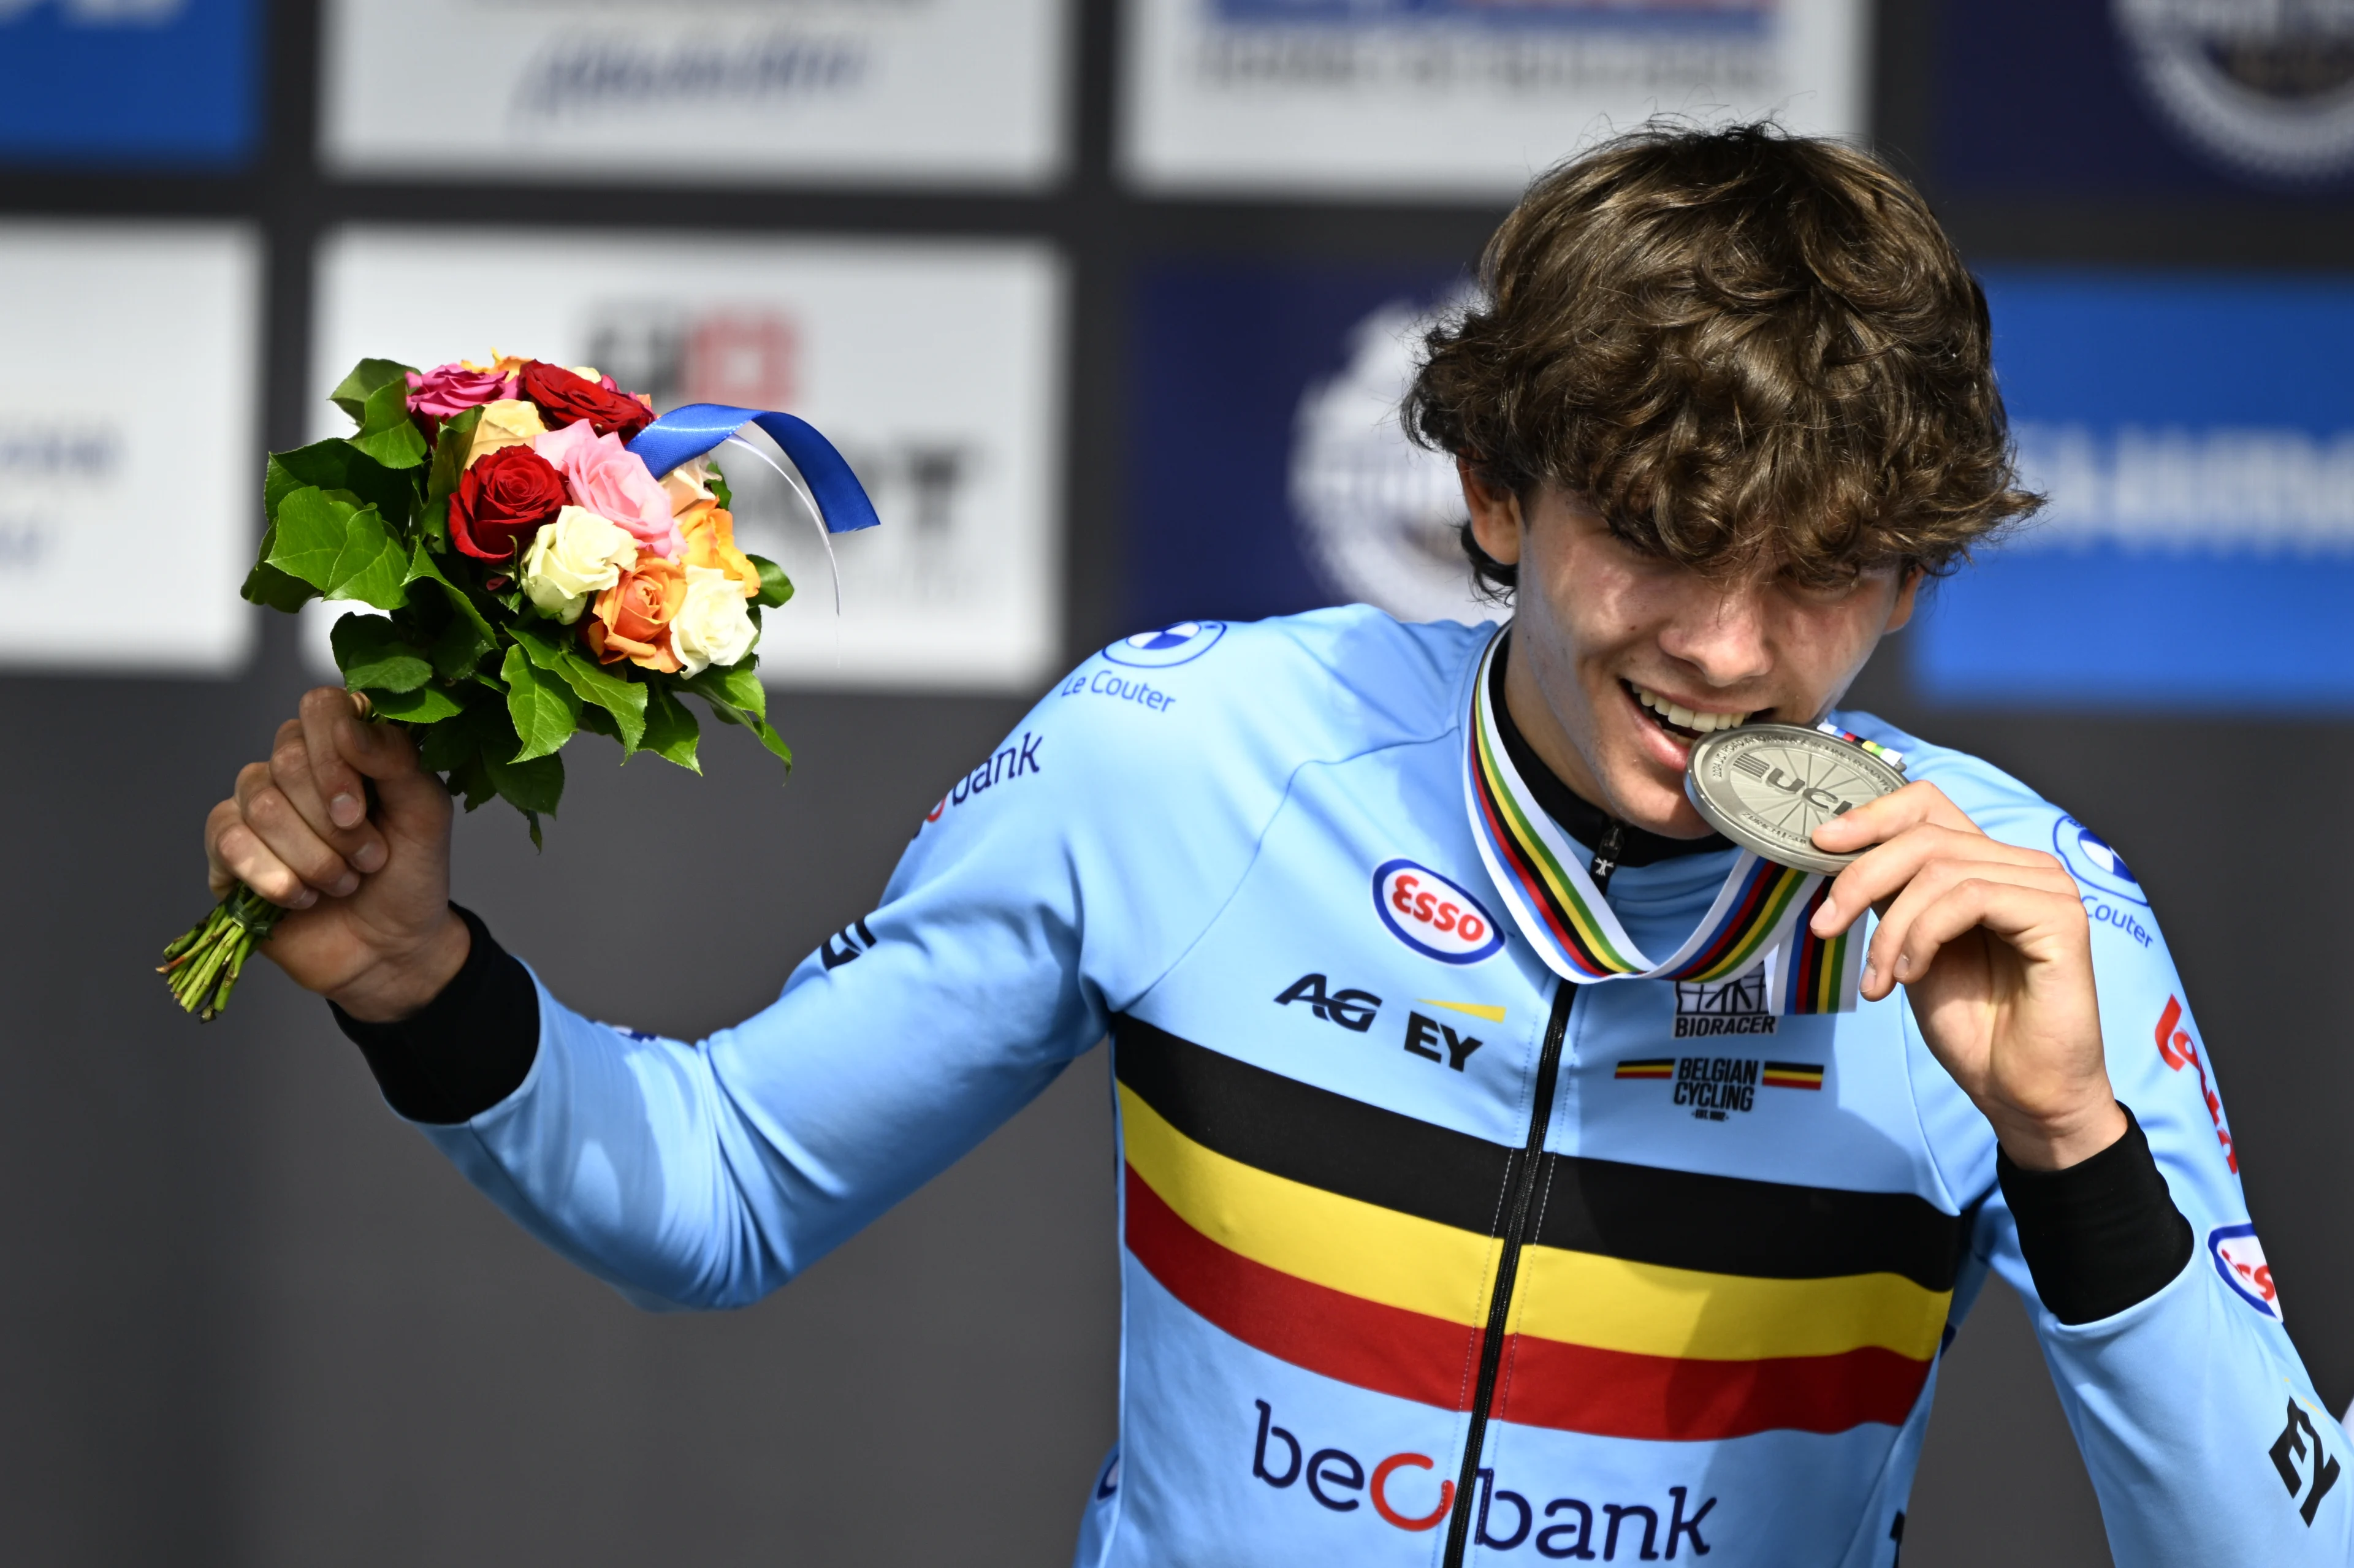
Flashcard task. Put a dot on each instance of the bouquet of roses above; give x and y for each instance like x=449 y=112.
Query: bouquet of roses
x=537 y=576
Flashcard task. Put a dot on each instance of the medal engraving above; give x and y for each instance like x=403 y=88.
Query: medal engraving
x=1767 y=786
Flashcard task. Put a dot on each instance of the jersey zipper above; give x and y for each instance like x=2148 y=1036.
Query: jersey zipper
x=1521 y=1187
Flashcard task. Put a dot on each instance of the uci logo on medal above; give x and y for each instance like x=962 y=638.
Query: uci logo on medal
x=1433 y=916
x=1178 y=644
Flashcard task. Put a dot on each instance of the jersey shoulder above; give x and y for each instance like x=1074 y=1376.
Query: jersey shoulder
x=1319 y=686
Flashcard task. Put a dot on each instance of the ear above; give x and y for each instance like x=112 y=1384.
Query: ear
x=1902 y=610
x=1495 y=515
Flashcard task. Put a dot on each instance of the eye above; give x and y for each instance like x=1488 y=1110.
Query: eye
x=1824 y=587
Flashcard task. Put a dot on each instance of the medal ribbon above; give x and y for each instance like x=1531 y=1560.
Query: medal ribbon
x=1758 y=915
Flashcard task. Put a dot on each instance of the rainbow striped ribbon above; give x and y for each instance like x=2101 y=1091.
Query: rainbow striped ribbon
x=1758 y=915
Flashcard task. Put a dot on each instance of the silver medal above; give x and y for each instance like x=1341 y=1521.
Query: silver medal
x=1767 y=786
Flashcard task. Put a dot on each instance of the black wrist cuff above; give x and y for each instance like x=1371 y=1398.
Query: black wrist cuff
x=467 y=1049
x=2102 y=1236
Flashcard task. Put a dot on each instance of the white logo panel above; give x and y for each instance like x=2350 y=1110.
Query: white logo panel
x=130 y=468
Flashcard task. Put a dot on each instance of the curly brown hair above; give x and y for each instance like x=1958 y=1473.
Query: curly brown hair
x=1736 y=344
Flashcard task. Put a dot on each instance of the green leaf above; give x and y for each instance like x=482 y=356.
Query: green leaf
x=618 y=696
x=458 y=647
x=386 y=431
x=597 y=721
x=308 y=535
x=719 y=490
x=545 y=710
x=425 y=705
x=351 y=394
x=374 y=566
x=775 y=587
x=471 y=779
x=773 y=741
x=671 y=730
x=737 y=688
x=532 y=787
x=266 y=585
x=449 y=449
x=423 y=568
x=336 y=464
x=450 y=746
x=372 y=654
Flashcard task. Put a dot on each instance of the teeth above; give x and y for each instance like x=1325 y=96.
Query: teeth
x=1685 y=718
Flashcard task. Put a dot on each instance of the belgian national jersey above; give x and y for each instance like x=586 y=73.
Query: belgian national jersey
x=1430 y=1255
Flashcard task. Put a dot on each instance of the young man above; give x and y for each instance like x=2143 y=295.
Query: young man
x=1458 y=1222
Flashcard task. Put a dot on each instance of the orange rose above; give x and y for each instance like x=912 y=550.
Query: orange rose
x=709 y=531
x=632 y=619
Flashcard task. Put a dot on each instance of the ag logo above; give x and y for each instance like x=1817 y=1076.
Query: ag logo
x=2091 y=861
x=1178 y=644
x=1433 y=916
x=1352 y=1009
x=2240 y=1259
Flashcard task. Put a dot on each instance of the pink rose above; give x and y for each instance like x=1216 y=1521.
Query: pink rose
x=614 y=482
x=448 y=390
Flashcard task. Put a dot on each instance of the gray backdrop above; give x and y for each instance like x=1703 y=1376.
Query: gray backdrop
x=252 y=1319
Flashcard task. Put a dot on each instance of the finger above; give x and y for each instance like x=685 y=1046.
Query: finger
x=288 y=836
x=1894 y=954
x=330 y=739
x=236 y=854
x=1917 y=804
x=2032 y=921
x=1883 y=872
x=294 y=765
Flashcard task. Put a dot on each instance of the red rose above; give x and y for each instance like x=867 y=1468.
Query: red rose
x=502 y=501
x=563 y=398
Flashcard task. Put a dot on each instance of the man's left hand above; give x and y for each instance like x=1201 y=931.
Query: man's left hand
x=1992 y=946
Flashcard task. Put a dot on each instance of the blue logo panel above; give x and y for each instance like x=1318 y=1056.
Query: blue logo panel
x=129 y=82
x=2196 y=437
x=1180 y=643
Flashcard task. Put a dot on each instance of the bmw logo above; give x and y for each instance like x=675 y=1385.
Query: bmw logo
x=2091 y=862
x=1178 y=644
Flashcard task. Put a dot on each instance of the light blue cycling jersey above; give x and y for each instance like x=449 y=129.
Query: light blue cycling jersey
x=1691 y=1301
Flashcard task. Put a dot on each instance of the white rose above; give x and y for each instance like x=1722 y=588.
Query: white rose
x=687 y=483
x=574 y=558
x=713 y=625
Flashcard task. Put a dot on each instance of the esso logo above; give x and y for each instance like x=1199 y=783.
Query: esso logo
x=2240 y=1259
x=1434 y=917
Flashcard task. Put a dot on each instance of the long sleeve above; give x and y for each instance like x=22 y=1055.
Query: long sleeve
x=2159 y=1321
x=1051 y=885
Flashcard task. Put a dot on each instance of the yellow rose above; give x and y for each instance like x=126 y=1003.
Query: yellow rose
x=710 y=530
x=509 y=422
x=500 y=363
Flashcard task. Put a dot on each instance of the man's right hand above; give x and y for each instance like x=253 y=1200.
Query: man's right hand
x=366 y=890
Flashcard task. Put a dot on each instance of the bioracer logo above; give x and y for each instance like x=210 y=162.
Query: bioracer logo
x=1435 y=916
x=1738 y=1006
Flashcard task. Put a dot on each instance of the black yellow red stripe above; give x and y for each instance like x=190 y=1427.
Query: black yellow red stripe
x=1362 y=1244
x=1791 y=1075
x=1650 y=1068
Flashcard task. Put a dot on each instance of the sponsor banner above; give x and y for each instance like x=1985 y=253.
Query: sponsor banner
x=146 y=82
x=2196 y=437
x=2191 y=96
x=951 y=92
x=1459 y=99
x=129 y=454
x=1269 y=474
x=935 y=367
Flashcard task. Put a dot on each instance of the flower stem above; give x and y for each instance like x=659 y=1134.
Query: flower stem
x=205 y=961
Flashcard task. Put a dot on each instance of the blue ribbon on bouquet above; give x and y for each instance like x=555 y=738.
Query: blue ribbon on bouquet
x=688 y=432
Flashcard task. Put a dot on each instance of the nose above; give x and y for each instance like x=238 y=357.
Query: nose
x=1719 y=630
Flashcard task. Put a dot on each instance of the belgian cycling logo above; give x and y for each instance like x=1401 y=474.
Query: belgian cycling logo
x=1716 y=1087
x=1180 y=644
x=2239 y=1258
x=1434 y=915
x=2091 y=861
x=1737 y=1006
